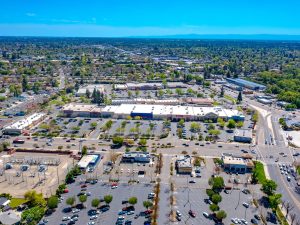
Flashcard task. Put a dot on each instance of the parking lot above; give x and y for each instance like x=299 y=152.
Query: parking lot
x=99 y=190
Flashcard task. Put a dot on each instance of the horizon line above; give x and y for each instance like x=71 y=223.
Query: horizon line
x=191 y=36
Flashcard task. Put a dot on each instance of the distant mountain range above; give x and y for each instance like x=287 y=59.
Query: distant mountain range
x=228 y=37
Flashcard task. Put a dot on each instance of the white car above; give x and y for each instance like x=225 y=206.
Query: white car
x=91 y=223
x=244 y=221
x=245 y=204
x=93 y=217
x=234 y=220
x=178 y=213
x=66 y=218
x=205 y=214
x=75 y=211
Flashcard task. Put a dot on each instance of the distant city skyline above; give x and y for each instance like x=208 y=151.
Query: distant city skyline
x=116 y=18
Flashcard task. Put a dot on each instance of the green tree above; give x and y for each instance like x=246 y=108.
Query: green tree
x=214 y=132
x=84 y=150
x=216 y=198
x=178 y=91
x=118 y=140
x=95 y=202
x=210 y=193
x=216 y=183
x=108 y=199
x=195 y=127
x=137 y=93
x=160 y=93
x=87 y=93
x=240 y=124
x=52 y=202
x=274 y=200
x=181 y=123
x=4 y=146
x=36 y=87
x=143 y=142
x=129 y=93
x=221 y=122
x=239 y=98
x=82 y=198
x=70 y=201
x=221 y=215
x=93 y=125
x=222 y=92
x=32 y=215
x=24 y=83
x=35 y=199
x=132 y=200
x=213 y=207
x=147 y=204
x=269 y=186
x=231 y=124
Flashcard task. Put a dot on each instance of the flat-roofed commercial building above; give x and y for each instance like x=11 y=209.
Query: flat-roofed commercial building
x=81 y=110
x=88 y=161
x=82 y=90
x=174 y=113
x=199 y=101
x=243 y=135
x=24 y=124
x=144 y=86
x=173 y=85
x=152 y=112
x=237 y=164
x=146 y=101
x=184 y=165
x=136 y=157
x=247 y=84
x=265 y=101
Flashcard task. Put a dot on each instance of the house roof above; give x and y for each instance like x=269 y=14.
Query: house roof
x=9 y=218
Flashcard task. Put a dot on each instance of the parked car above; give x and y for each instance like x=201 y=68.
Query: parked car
x=192 y=213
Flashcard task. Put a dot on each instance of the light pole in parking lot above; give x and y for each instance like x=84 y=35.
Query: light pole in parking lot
x=238 y=200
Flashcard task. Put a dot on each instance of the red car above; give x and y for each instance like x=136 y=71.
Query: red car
x=192 y=213
x=148 y=211
x=66 y=191
x=83 y=186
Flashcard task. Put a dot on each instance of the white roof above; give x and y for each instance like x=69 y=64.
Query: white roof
x=81 y=108
x=177 y=110
x=86 y=160
x=23 y=123
x=82 y=90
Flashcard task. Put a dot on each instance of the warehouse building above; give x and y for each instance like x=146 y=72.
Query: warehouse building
x=22 y=125
x=243 y=135
x=82 y=90
x=136 y=157
x=237 y=164
x=247 y=84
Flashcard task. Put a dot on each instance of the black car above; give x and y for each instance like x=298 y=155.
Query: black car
x=254 y=221
x=124 y=202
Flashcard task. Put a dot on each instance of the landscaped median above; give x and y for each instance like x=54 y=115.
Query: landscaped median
x=268 y=187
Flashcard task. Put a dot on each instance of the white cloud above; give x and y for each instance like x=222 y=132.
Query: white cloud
x=30 y=14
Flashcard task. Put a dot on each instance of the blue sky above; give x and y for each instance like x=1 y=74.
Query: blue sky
x=115 y=18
